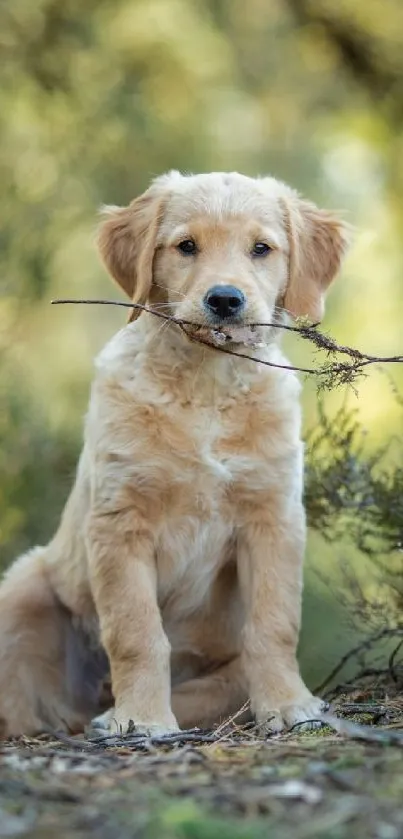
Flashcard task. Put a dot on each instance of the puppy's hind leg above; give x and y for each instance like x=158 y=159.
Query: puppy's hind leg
x=208 y=700
x=34 y=648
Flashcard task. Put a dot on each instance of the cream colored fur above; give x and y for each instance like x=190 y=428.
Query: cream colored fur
x=180 y=549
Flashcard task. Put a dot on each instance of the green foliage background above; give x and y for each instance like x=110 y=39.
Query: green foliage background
x=97 y=98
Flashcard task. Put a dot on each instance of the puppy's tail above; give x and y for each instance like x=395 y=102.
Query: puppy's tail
x=34 y=632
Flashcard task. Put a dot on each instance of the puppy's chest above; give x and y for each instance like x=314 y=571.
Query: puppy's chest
x=208 y=449
x=211 y=469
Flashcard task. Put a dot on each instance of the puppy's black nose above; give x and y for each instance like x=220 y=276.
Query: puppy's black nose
x=224 y=301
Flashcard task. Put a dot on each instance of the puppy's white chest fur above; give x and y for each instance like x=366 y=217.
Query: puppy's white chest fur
x=191 y=449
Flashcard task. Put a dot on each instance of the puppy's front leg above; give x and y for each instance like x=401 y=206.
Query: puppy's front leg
x=270 y=557
x=123 y=581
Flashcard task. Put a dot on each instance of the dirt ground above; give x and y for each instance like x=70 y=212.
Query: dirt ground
x=338 y=782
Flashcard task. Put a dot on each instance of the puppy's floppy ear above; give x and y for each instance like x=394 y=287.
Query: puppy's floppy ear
x=318 y=241
x=127 y=241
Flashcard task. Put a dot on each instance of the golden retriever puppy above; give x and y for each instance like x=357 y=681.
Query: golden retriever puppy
x=177 y=566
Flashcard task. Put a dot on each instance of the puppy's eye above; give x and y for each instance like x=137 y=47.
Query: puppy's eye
x=187 y=246
x=260 y=249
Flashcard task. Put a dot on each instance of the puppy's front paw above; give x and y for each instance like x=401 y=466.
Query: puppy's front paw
x=149 y=729
x=121 y=723
x=305 y=710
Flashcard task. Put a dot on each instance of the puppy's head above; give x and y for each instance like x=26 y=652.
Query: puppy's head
x=223 y=250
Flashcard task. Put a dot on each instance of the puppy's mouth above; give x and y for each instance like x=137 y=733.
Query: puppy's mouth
x=227 y=335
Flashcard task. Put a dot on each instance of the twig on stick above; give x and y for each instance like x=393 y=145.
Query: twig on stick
x=331 y=373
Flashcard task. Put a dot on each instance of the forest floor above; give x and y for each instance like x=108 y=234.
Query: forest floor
x=337 y=782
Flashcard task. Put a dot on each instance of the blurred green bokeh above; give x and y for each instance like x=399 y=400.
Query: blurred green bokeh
x=97 y=98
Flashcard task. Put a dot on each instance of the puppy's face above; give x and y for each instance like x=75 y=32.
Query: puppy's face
x=223 y=250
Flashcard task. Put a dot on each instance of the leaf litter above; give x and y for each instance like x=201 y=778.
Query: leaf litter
x=344 y=780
